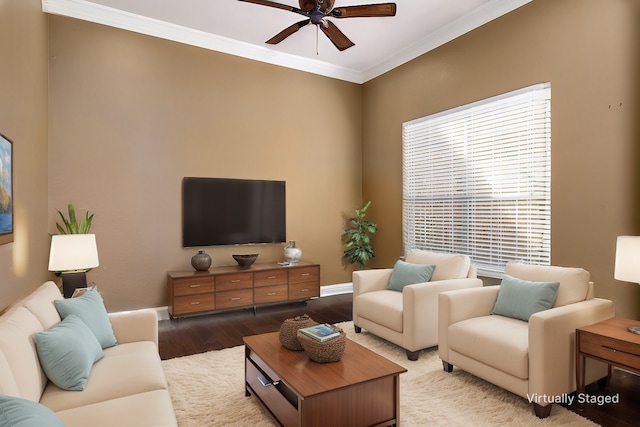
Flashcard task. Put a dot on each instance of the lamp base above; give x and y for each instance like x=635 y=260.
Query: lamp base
x=634 y=329
x=73 y=280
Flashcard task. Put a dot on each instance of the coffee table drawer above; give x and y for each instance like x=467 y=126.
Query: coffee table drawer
x=269 y=392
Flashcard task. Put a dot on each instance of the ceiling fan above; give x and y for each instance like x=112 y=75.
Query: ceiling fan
x=317 y=11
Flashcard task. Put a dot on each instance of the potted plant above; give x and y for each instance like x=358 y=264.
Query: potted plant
x=71 y=225
x=357 y=238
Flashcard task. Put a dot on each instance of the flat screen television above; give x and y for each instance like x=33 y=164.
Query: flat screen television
x=224 y=211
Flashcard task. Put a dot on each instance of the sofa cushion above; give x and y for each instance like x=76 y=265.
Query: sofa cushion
x=574 y=282
x=520 y=299
x=153 y=408
x=125 y=370
x=40 y=303
x=384 y=306
x=67 y=353
x=17 y=412
x=8 y=384
x=405 y=273
x=448 y=266
x=17 y=328
x=497 y=341
x=89 y=307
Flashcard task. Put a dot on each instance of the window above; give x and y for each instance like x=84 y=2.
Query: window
x=477 y=180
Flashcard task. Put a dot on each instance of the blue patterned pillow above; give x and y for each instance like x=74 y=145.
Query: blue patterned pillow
x=89 y=307
x=404 y=274
x=67 y=352
x=520 y=299
x=17 y=412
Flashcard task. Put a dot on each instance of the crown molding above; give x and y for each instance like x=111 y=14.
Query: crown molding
x=462 y=25
x=100 y=14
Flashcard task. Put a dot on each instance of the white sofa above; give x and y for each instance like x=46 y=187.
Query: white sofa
x=534 y=359
x=126 y=387
x=409 y=318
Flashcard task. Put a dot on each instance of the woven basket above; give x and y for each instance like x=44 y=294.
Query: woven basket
x=289 y=331
x=327 y=351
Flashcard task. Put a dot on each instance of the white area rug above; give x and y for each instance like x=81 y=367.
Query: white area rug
x=208 y=390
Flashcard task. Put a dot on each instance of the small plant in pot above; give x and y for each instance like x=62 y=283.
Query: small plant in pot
x=357 y=238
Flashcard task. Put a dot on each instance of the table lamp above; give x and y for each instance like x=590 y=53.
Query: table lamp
x=628 y=264
x=72 y=255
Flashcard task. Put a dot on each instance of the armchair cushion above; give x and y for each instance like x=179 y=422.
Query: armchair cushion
x=574 y=282
x=384 y=306
x=405 y=273
x=496 y=341
x=449 y=266
x=520 y=299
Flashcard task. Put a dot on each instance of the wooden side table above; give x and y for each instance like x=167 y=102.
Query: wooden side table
x=610 y=342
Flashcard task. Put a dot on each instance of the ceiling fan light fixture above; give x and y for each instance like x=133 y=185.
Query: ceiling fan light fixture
x=318 y=10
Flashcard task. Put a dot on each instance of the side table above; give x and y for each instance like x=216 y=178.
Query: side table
x=610 y=342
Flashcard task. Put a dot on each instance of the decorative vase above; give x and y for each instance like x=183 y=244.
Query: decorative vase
x=292 y=253
x=201 y=261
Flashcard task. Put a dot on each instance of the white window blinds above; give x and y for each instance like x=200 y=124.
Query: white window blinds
x=477 y=180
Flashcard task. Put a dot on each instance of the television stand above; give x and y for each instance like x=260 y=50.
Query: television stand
x=233 y=287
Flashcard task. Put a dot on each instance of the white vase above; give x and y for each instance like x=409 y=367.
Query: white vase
x=292 y=253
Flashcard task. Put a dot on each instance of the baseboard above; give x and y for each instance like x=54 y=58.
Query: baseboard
x=337 y=289
x=325 y=291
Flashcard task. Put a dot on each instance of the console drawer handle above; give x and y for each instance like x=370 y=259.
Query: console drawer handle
x=235 y=281
x=235 y=299
x=265 y=382
x=306 y=274
x=272 y=294
x=195 y=303
x=304 y=290
x=194 y=286
x=272 y=277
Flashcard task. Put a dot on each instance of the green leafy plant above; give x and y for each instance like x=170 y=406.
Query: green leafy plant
x=71 y=225
x=357 y=238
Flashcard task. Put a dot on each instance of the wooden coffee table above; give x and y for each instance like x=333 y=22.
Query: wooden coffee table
x=361 y=389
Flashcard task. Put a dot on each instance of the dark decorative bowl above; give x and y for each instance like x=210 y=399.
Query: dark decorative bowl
x=245 y=260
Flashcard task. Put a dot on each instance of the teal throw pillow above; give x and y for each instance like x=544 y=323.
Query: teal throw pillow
x=520 y=299
x=404 y=274
x=17 y=412
x=67 y=352
x=89 y=307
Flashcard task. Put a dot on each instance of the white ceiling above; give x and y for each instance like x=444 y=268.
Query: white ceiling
x=241 y=28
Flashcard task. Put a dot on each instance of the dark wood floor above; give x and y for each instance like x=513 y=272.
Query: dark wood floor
x=181 y=337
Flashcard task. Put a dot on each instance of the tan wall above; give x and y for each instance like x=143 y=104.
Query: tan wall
x=23 y=119
x=590 y=52
x=131 y=115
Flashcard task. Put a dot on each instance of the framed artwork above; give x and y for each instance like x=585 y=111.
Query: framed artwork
x=6 y=190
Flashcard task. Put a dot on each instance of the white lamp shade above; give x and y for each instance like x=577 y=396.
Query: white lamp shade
x=628 y=259
x=73 y=252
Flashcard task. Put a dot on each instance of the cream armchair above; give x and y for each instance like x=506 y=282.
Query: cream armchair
x=533 y=359
x=409 y=317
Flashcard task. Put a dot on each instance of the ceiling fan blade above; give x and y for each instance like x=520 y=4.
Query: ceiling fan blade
x=277 y=6
x=364 y=11
x=336 y=36
x=287 y=32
